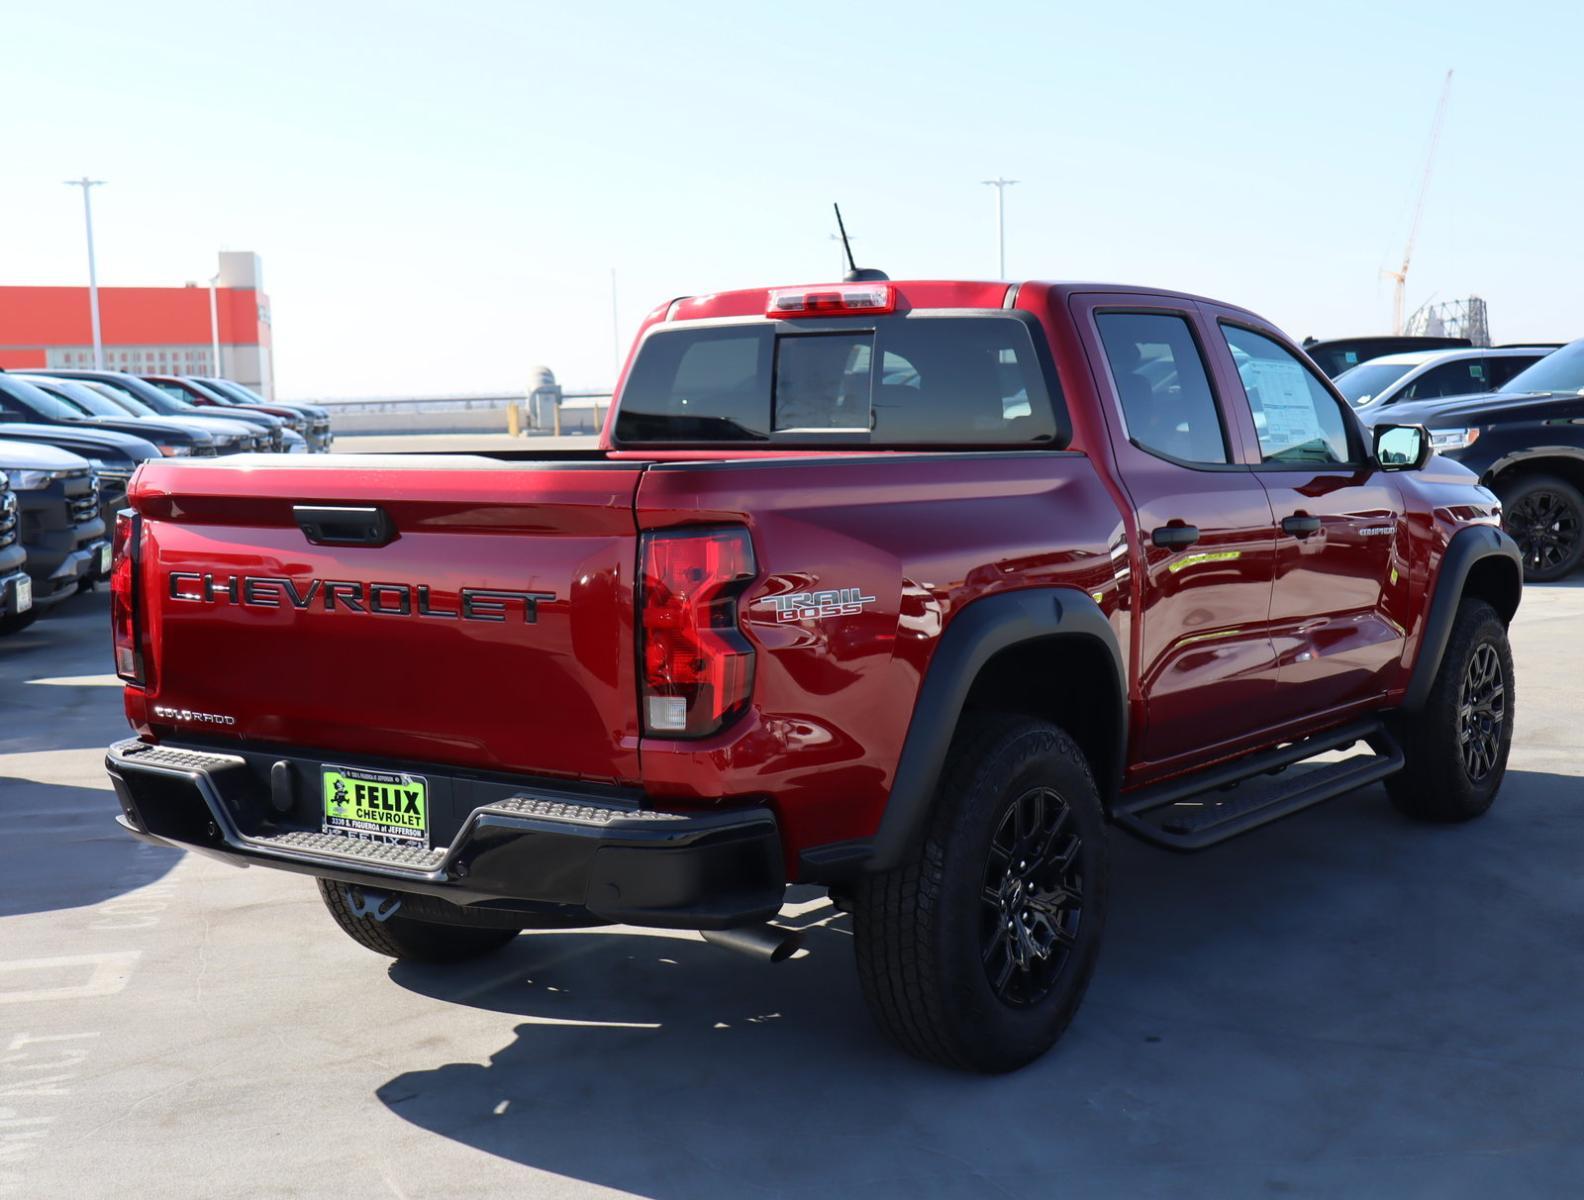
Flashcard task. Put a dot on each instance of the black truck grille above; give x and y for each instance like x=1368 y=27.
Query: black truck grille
x=8 y=519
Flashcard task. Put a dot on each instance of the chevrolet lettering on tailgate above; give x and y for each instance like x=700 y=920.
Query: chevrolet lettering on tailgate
x=355 y=596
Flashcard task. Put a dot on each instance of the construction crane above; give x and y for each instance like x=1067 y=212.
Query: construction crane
x=1400 y=276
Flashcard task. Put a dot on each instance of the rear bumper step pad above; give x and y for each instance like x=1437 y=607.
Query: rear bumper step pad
x=570 y=852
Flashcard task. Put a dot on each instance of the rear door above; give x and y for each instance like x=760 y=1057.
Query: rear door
x=1206 y=666
x=1341 y=596
x=490 y=624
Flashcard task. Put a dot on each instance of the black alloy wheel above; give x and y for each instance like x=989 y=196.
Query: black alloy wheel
x=1546 y=518
x=1032 y=897
x=1482 y=710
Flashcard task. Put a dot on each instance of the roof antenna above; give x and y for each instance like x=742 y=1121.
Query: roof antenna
x=857 y=274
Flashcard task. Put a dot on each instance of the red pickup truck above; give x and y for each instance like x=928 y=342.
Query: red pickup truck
x=902 y=589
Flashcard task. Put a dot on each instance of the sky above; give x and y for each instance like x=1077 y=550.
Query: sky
x=440 y=192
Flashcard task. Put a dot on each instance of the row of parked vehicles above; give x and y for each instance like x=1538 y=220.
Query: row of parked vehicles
x=69 y=443
x=1513 y=414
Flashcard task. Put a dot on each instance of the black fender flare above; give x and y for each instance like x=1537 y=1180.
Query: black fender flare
x=1466 y=547
x=1531 y=456
x=983 y=629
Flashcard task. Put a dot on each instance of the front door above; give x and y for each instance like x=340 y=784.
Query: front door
x=1205 y=663
x=1341 y=596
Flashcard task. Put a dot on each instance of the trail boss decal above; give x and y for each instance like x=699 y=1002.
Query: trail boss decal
x=812 y=606
x=356 y=596
x=377 y=806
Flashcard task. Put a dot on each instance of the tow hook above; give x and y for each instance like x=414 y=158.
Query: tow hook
x=373 y=903
x=767 y=943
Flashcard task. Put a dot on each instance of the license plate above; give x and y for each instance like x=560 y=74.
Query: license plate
x=376 y=806
x=24 y=595
x=104 y=559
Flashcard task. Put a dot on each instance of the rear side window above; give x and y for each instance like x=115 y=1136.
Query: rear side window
x=1161 y=381
x=1502 y=368
x=898 y=381
x=1449 y=379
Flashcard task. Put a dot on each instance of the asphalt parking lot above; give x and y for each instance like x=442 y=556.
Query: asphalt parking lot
x=1346 y=1004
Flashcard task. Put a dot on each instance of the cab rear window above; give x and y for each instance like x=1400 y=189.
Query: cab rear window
x=892 y=381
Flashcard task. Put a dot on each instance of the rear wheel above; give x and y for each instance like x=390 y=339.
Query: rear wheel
x=409 y=938
x=1456 y=745
x=1545 y=516
x=976 y=951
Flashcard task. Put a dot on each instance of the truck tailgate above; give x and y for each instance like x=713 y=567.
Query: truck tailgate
x=492 y=627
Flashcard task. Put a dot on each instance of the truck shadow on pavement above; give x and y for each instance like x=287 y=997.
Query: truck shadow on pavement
x=63 y=849
x=1276 y=1012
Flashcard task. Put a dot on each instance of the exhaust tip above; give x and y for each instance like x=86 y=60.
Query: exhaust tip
x=767 y=943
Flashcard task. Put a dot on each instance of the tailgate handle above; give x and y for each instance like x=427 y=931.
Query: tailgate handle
x=330 y=526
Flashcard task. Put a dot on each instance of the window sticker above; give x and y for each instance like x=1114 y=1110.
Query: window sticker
x=1283 y=394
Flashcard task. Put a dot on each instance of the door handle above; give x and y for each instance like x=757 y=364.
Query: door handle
x=1300 y=525
x=1176 y=536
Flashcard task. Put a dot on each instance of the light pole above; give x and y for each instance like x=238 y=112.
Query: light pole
x=1000 y=186
x=93 y=278
x=214 y=325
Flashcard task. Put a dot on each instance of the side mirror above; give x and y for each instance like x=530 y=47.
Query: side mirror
x=1401 y=447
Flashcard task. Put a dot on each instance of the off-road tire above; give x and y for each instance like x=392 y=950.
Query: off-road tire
x=409 y=938
x=923 y=930
x=1437 y=783
x=1545 y=516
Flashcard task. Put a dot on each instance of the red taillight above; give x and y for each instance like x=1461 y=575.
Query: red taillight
x=697 y=665
x=831 y=300
x=123 y=597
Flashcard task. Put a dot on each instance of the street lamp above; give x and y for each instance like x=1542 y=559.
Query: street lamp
x=1000 y=186
x=93 y=279
x=214 y=325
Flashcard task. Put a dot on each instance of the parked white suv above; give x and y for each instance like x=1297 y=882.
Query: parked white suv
x=1426 y=374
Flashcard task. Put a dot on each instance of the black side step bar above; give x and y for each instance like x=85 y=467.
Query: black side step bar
x=1152 y=813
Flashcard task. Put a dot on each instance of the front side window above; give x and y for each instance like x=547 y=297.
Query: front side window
x=893 y=381
x=1163 y=386
x=1297 y=419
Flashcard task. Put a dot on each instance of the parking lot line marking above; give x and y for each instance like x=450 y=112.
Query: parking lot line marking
x=81 y=681
x=97 y=975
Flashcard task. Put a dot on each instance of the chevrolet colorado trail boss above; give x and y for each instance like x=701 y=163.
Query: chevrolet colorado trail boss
x=902 y=589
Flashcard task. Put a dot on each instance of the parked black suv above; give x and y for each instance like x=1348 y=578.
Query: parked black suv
x=1526 y=440
x=1335 y=355
x=58 y=502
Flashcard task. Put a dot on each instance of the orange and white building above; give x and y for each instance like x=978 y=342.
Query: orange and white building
x=147 y=330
